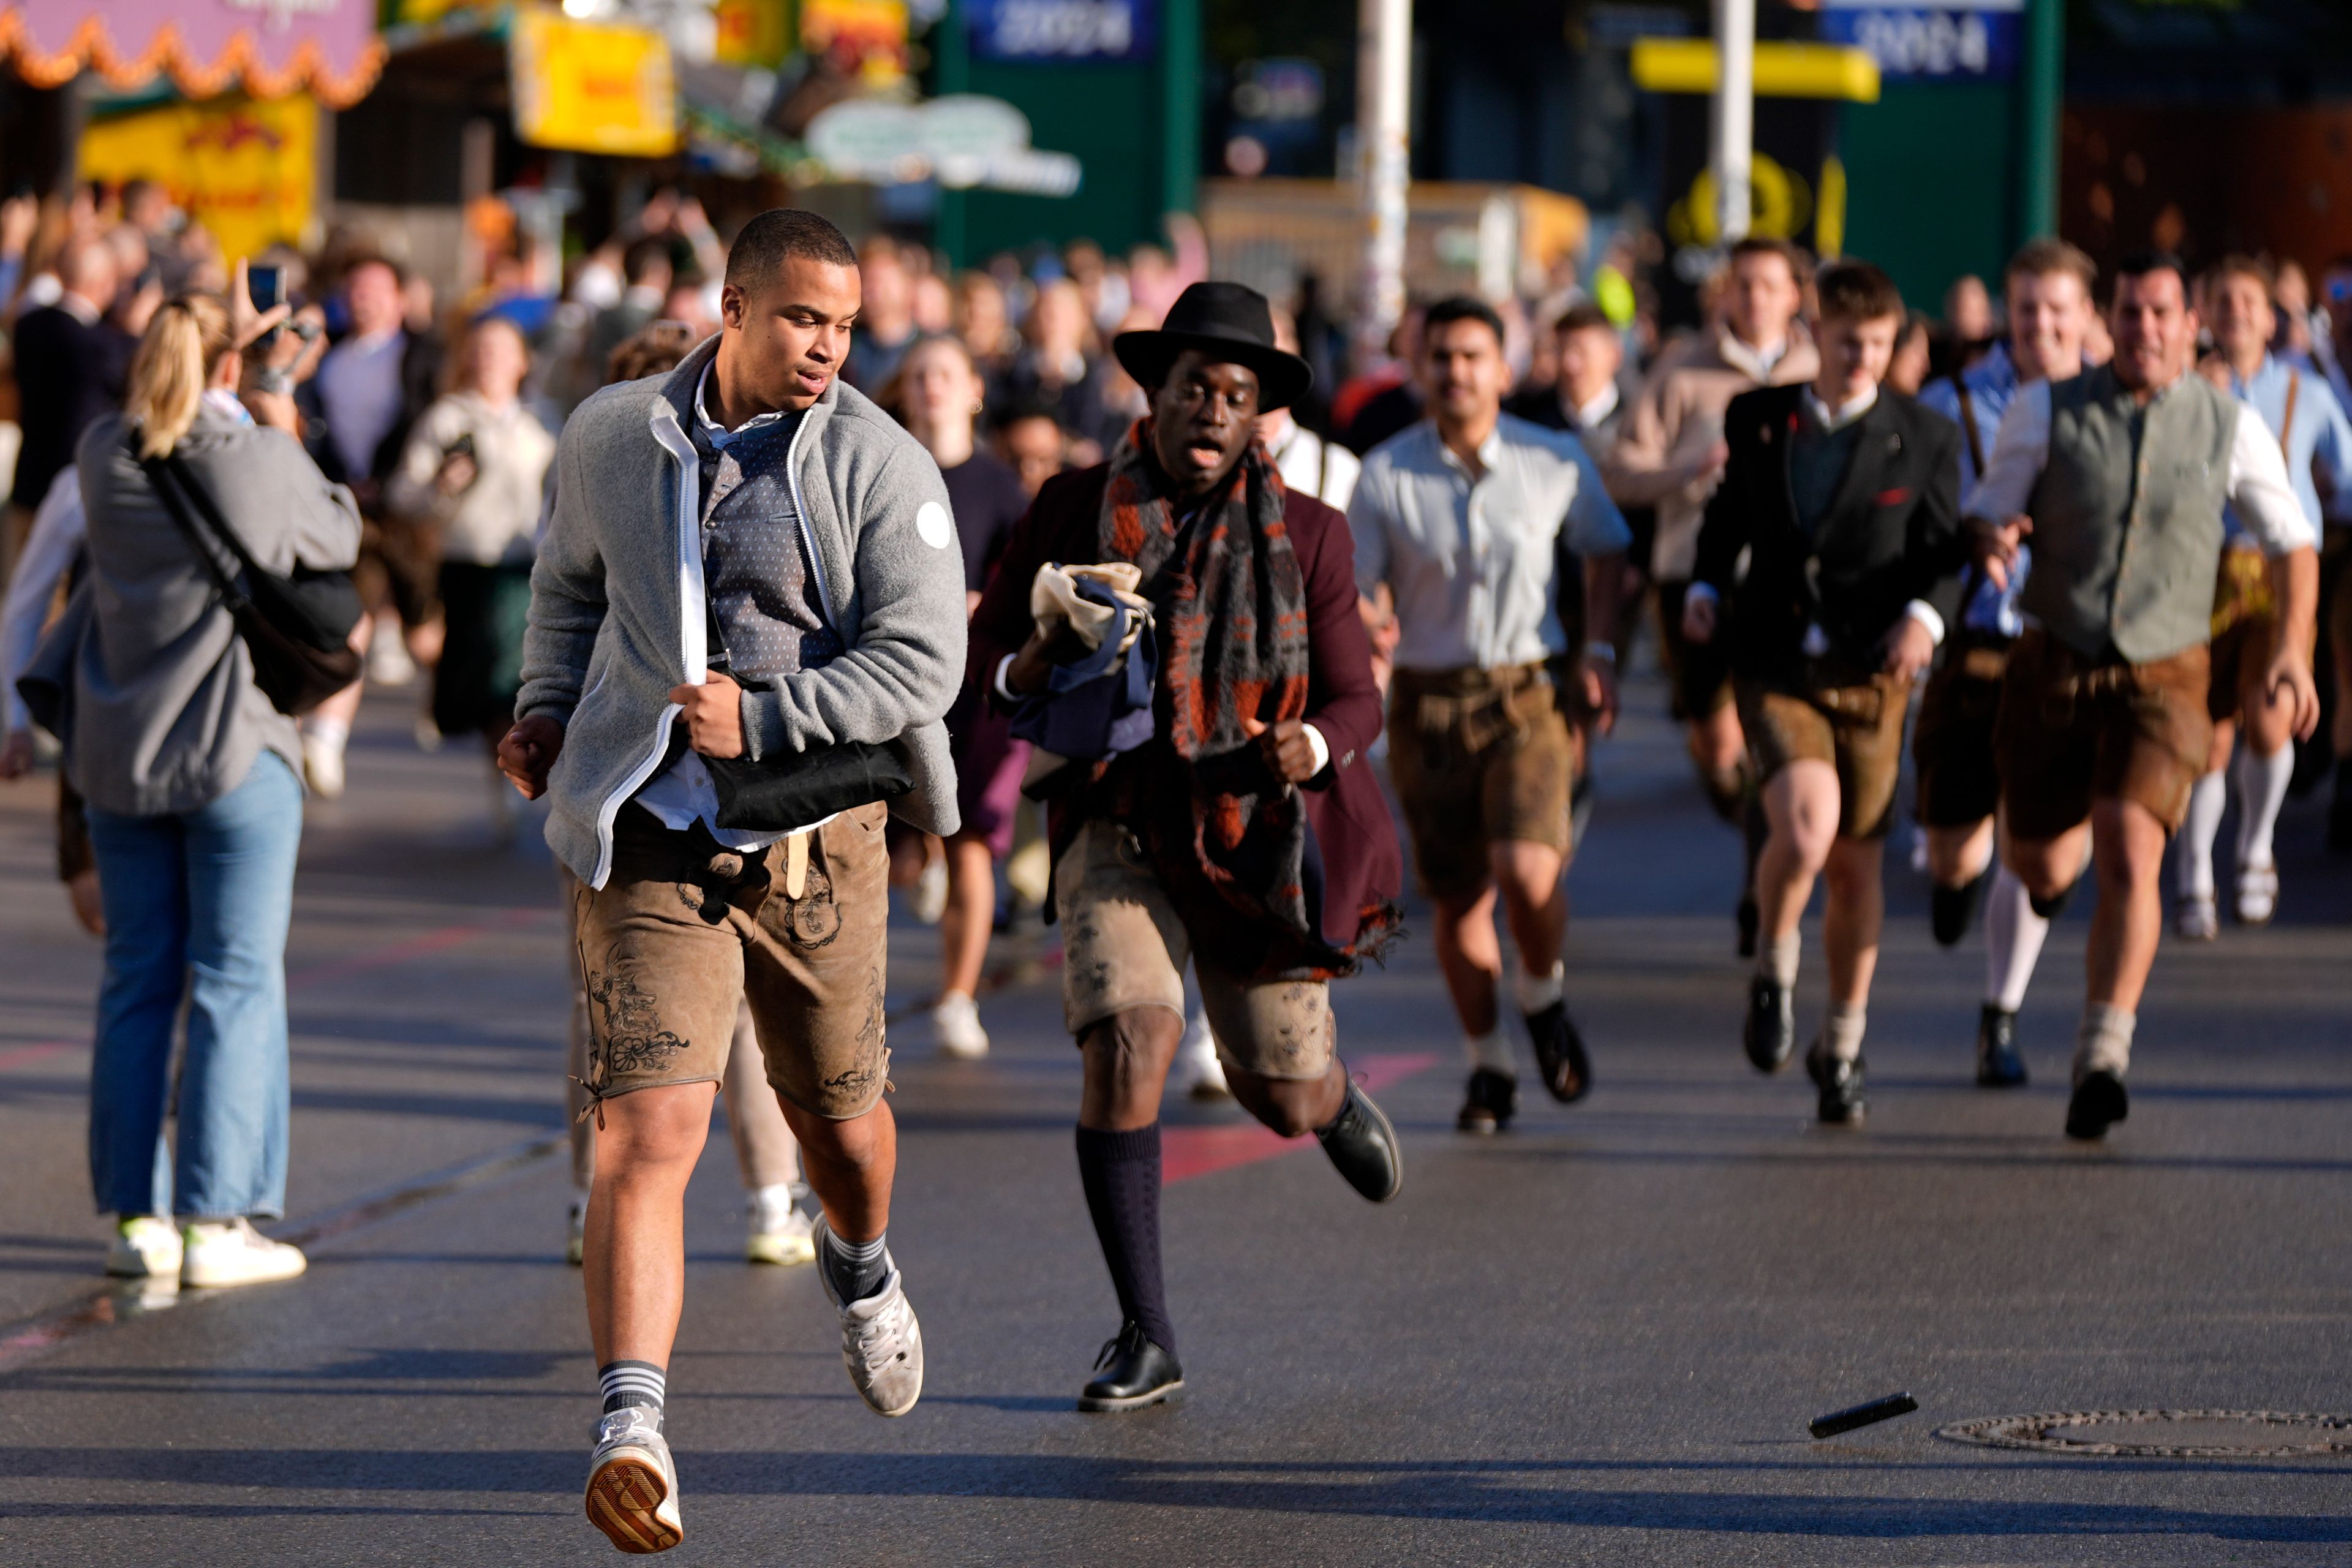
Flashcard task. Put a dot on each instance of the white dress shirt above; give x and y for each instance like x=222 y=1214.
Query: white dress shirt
x=2257 y=484
x=1472 y=559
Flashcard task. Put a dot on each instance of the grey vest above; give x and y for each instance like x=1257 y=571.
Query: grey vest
x=2127 y=516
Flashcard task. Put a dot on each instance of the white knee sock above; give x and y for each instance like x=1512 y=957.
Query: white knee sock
x=2192 y=865
x=2262 y=789
x=2105 y=1041
x=2013 y=937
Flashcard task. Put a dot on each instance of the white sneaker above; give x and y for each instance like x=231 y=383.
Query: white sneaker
x=2194 y=920
x=633 y=1484
x=1198 y=1071
x=575 y=1233
x=881 y=1343
x=323 y=764
x=216 y=1253
x=779 y=1233
x=145 y=1246
x=388 y=663
x=931 y=892
x=955 y=1025
x=2258 y=889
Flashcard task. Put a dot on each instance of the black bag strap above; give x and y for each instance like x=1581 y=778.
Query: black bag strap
x=166 y=475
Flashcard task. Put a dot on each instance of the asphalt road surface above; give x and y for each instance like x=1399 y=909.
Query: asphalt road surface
x=1597 y=1338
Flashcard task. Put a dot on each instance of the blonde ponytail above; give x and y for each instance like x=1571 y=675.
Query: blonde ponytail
x=188 y=335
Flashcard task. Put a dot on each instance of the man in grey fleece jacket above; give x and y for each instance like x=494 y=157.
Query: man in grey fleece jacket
x=746 y=558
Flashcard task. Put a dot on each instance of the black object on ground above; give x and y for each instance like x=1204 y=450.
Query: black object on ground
x=1837 y=1421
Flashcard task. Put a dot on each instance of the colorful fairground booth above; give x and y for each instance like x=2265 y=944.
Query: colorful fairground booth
x=225 y=102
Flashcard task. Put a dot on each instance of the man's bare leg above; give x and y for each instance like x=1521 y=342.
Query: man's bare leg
x=633 y=1262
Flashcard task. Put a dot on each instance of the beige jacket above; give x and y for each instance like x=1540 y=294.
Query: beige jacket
x=494 y=520
x=1676 y=419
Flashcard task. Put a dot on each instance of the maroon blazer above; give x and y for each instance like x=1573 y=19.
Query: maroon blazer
x=1361 y=863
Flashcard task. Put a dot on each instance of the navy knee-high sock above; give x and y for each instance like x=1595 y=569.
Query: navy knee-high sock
x=1121 y=1172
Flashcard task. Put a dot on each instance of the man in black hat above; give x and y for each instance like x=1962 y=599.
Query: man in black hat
x=1248 y=833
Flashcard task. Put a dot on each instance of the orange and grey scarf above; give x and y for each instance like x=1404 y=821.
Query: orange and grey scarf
x=1230 y=602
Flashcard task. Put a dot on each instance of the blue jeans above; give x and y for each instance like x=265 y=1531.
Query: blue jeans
x=196 y=904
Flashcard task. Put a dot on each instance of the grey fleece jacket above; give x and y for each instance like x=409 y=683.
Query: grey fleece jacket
x=618 y=616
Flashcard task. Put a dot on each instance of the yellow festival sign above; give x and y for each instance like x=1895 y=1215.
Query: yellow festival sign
x=591 y=87
x=246 y=170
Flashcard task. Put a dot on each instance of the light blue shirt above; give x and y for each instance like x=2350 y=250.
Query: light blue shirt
x=1473 y=560
x=2321 y=433
x=1992 y=384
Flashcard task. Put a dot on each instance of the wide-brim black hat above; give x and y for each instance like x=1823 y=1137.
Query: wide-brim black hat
x=1227 y=321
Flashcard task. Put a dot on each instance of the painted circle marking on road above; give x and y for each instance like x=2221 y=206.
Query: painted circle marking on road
x=2160 y=1433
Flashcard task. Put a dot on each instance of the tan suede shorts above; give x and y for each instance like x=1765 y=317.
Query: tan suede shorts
x=1124 y=945
x=684 y=928
x=1852 y=720
x=1478 y=757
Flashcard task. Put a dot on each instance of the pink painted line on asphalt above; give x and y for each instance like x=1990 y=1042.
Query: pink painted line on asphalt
x=25 y=1056
x=421 y=946
x=1188 y=1152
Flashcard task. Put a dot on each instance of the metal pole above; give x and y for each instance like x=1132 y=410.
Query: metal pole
x=1180 y=105
x=952 y=52
x=2041 y=92
x=1383 y=164
x=1732 y=123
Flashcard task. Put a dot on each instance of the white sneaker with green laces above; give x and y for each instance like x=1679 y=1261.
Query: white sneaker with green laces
x=145 y=1246
x=217 y=1253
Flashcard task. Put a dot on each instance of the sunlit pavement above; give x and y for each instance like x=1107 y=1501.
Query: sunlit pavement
x=1595 y=1338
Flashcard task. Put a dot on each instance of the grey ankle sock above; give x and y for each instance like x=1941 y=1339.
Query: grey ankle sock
x=1776 y=958
x=855 y=1269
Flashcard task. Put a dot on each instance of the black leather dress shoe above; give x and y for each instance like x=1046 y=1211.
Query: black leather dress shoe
x=1951 y=910
x=2098 y=1104
x=1771 y=1031
x=1135 y=1372
x=1559 y=1051
x=1747 y=917
x=1842 y=1102
x=1489 y=1102
x=1363 y=1147
x=1998 y=1063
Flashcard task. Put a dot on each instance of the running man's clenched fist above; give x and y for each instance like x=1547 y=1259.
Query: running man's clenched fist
x=528 y=751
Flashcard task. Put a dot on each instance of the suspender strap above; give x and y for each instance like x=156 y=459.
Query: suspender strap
x=2286 y=425
x=1968 y=425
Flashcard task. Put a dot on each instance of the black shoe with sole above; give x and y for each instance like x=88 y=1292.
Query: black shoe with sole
x=1842 y=1102
x=1748 y=917
x=2098 y=1104
x=1135 y=1372
x=1771 y=1031
x=1489 y=1102
x=1560 y=1052
x=1362 y=1145
x=1951 y=910
x=2000 y=1065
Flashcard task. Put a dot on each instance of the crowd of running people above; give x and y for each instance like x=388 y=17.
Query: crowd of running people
x=785 y=574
